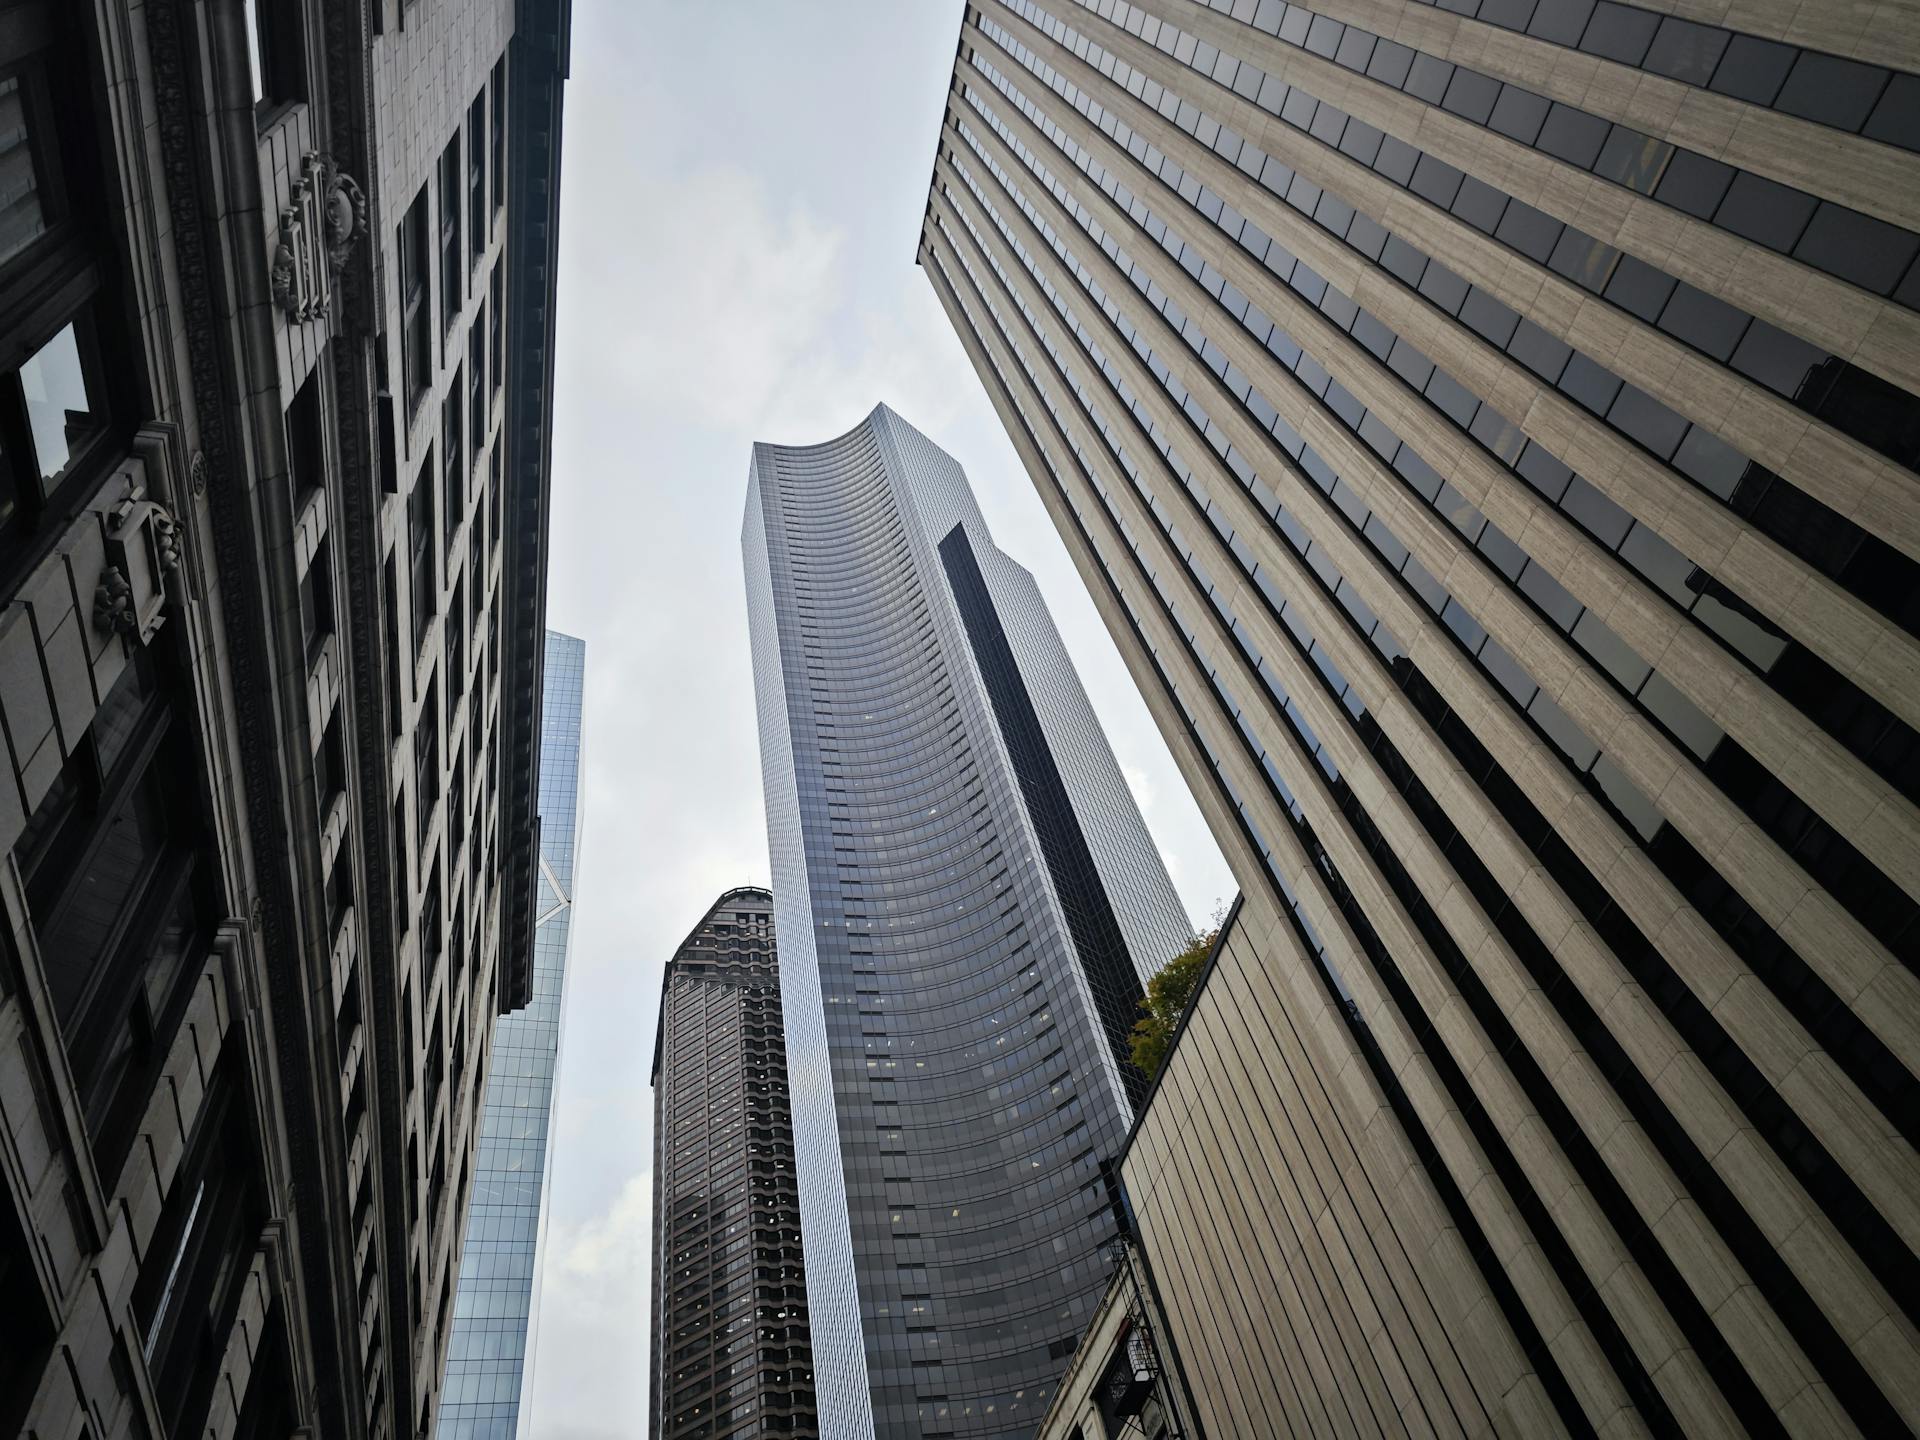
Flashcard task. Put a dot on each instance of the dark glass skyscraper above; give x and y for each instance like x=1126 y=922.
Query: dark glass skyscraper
x=967 y=901
x=730 y=1351
x=1490 y=431
x=490 y=1347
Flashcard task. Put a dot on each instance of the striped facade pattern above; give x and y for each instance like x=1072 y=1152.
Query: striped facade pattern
x=1491 y=439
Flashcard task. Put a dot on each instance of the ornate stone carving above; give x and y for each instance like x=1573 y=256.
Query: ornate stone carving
x=143 y=549
x=113 y=609
x=323 y=220
x=346 y=217
x=197 y=472
x=166 y=538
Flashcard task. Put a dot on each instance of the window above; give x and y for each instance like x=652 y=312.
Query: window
x=51 y=412
x=306 y=450
x=396 y=699
x=196 y=1273
x=496 y=318
x=426 y=758
x=339 y=891
x=109 y=860
x=58 y=368
x=477 y=176
x=430 y=941
x=420 y=547
x=316 y=603
x=452 y=271
x=477 y=387
x=452 y=471
x=456 y=810
x=476 y=574
x=497 y=92
x=329 y=767
x=277 y=54
x=456 y=669
x=416 y=332
x=494 y=467
x=23 y=132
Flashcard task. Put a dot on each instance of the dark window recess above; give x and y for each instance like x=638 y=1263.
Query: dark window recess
x=316 y=602
x=1090 y=919
x=189 y=1291
x=329 y=767
x=276 y=54
x=477 y=390
x=426 y=761
x=306 y=444
x=497 y=130
x=111 y=860
x=496 y=326
x=477 y=175
x=396 y=695
x=420 y=546
x=452 y=469
x=416 y=327
x=453 y=270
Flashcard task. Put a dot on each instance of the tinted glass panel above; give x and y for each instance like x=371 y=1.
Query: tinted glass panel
x=1619 y=33
x=1831 y=90
x=1765 y=211
x=1753 y=69
x=1685 y=51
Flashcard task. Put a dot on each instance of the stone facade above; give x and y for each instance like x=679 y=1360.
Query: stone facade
x=1490 y=437
x=272 y=772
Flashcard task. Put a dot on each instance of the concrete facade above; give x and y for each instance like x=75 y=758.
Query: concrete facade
x=1490 y=438
x=265 y=827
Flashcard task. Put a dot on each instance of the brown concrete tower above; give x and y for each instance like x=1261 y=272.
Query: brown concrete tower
x=730 y=1347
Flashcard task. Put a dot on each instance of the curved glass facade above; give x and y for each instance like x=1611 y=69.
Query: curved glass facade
x=949 y=1026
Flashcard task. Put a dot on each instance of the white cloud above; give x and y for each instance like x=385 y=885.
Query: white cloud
x=594 y=1384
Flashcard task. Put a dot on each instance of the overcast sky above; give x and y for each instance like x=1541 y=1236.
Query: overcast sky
x=743 y=187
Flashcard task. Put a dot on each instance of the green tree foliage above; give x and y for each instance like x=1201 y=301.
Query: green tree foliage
x=1168 y=992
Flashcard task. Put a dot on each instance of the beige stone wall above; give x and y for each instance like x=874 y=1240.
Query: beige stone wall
x=1437 y=1149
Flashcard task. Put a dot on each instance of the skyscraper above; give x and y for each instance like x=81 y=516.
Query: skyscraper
x=730 y=1350
x=1490 y=436
x=276 y=294
x=967 y=900
x=496 y=1299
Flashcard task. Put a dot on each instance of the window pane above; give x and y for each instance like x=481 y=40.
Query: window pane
x=1831 y=90
x=21 y=217
x=59 y=408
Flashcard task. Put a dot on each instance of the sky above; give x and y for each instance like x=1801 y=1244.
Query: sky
x=741 y=199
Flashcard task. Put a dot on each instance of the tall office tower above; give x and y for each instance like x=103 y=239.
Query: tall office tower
x=967 y=902
x=496 y=1301
x=730 y=1353
x=269 y=727
x=1490 y=436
